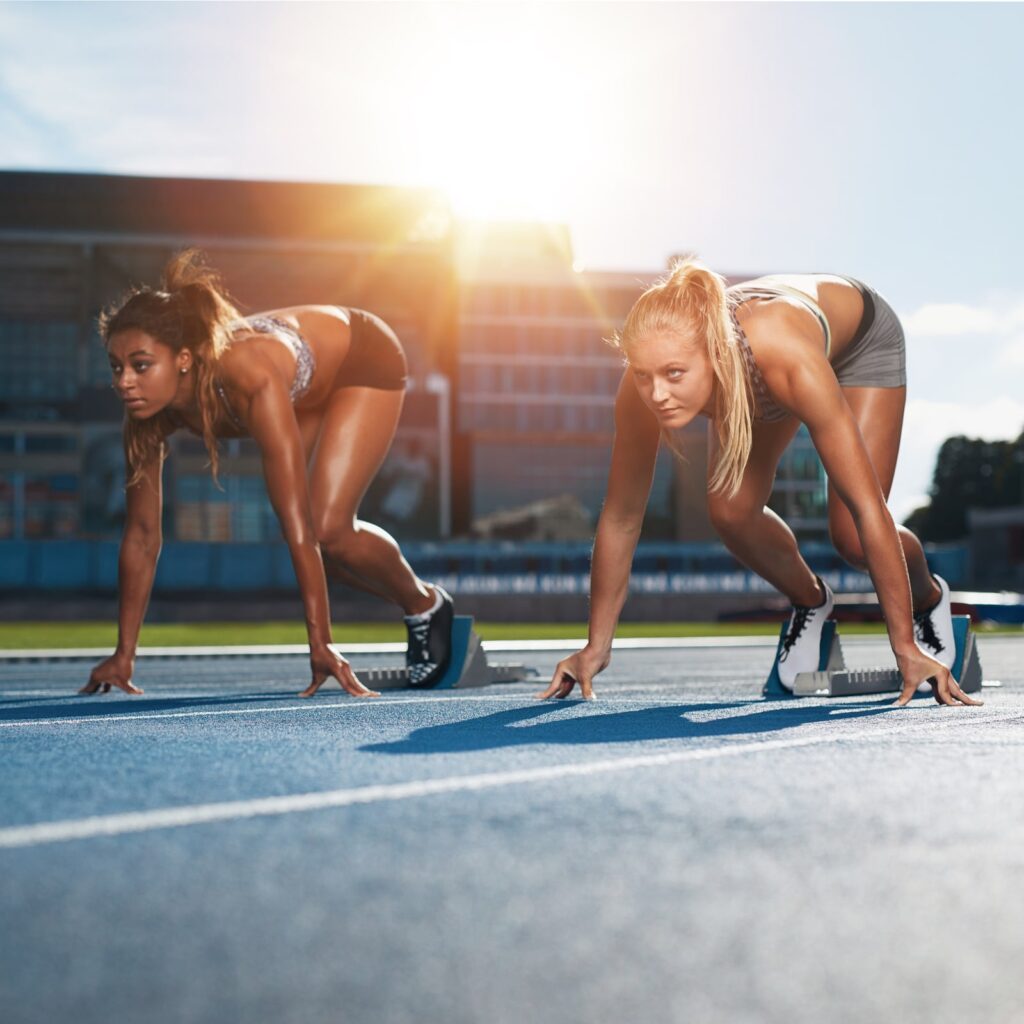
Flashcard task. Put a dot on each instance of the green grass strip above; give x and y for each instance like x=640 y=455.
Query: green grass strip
x=58 y=635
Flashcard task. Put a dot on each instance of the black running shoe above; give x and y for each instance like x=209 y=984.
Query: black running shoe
x=430 y=644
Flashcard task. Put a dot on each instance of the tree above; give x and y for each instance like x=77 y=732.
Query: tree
x=969 y=473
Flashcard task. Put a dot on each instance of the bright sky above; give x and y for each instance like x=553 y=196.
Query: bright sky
x=878 y=140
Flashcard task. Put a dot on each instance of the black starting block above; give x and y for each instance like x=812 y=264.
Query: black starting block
x=468 y=668
x=834 y=679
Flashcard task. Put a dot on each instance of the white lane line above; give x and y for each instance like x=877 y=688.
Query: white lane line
x=352 y=704
x=635 y=643
x=237 y=810
x=460 y=697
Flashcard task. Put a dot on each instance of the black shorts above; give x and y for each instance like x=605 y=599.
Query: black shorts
x=375 y=356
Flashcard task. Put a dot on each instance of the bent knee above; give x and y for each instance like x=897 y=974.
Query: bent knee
x=848 y=545
x=336 y=543
x=731 y=515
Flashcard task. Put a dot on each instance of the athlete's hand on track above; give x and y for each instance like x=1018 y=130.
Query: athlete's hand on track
x=916 y=667
x=113 y=671
x=327 y=664
x=581 y=668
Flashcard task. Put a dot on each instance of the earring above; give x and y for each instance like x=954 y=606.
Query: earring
x=184 y=369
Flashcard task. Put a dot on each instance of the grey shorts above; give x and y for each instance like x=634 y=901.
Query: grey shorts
x=877 y=355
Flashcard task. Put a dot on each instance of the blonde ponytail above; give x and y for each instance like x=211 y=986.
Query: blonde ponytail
x=692 y=301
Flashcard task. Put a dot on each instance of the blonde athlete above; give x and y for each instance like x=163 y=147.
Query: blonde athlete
x=758 y=359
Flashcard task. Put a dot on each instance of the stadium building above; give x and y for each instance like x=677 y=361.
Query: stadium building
x=536 y=385
x=72 y=243
x=510 y=406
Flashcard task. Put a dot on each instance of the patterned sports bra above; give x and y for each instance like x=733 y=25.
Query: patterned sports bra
x=766 y=408
x=305 y=361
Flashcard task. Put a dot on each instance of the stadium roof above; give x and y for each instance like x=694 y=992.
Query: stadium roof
x=105 y=203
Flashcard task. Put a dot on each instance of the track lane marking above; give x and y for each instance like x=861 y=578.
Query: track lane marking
x=353 y=703
x=459 y=696
x=43 y=833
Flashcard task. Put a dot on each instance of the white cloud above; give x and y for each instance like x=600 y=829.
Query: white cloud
x=997 y=419
x=1012 y=354
x=943 y=319
x=949 y=319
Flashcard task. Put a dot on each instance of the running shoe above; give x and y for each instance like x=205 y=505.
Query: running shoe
x=933 y=627
x=430 y=643
x=801 y=645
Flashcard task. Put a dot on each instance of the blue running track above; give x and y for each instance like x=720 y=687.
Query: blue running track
x=679 y=850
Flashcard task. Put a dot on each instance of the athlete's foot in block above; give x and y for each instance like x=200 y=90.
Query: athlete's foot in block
x=801 y=643
x=429 y=650
x=933 y=627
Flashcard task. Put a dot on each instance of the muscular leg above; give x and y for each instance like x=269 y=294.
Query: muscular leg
x=751 y=530
x=879 y=414
x=356 y=430
x=310 y=422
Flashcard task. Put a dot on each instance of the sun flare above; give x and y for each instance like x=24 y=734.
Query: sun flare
x=506 y=131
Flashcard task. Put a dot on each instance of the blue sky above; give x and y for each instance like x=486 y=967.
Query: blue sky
x=879 y=140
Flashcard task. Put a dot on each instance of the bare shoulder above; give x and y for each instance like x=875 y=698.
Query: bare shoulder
x=251 y=362
x=781 y=333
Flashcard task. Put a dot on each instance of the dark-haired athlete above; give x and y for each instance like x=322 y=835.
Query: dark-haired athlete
x=307 y=378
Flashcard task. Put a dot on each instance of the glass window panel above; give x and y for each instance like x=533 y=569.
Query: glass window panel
x=40 y=360
x=51 y=506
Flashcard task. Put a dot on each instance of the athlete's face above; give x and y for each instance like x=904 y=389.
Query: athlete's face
x=674 y=377
x=148 y=375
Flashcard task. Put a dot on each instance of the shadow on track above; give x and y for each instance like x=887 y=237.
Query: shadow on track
x=536 y=725
x=30 y=709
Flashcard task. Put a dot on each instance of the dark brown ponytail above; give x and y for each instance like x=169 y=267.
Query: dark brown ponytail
x=190 y=311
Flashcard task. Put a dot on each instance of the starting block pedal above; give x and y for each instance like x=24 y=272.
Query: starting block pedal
x=468 y=666
x=834 y=679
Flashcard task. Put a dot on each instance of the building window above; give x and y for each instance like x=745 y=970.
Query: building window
x=97 y=362
x=51 y=506
x=6 y=509
x=254 y=518
x=202 y=511
x=40 y=360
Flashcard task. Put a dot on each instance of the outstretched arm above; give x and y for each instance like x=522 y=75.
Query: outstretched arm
x=136 y=567
x=634 y=452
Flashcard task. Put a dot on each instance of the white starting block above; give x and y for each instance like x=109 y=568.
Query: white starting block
x=834 y=679
x=468 y=667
